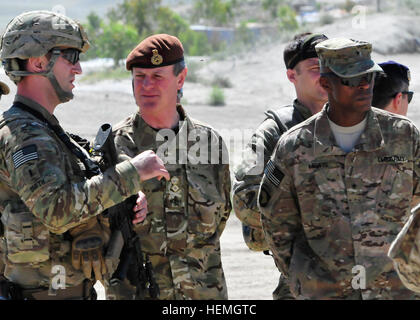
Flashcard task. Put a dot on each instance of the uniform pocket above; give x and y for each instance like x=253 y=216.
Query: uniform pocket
x=204 y=200
x=27 y=239
x=395 y=193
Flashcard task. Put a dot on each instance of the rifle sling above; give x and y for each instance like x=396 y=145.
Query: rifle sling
x=92 y=168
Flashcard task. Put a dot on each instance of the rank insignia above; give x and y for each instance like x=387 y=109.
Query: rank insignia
x=174 y=184
x=156 y=58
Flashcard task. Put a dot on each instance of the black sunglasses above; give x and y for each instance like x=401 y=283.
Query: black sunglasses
x=71 y=55
x=409 y=95
x=353 y=81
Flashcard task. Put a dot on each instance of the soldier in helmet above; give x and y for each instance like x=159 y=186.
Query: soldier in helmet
x=302 y=67
x=4 y=89
x=187 y=214
x=340 y=185
x=51 y=191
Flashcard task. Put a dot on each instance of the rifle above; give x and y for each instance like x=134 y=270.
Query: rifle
x=131 y=265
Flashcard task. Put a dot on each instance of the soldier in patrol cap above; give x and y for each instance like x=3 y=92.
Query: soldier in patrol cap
x=302 y=66
x=186 y=215
x=340 y=185
x=391 y=88
x=51 y=192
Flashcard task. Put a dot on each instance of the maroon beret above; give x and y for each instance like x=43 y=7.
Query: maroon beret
x=156 y=51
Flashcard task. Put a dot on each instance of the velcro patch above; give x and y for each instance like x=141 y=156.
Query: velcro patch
x=273 y=173
x=24 y=155
x=393 y=159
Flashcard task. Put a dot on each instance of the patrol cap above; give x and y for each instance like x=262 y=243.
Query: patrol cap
x=396 y=70
x=301 y=48
x=4 y=88
x=346 y=57
x=156 y=51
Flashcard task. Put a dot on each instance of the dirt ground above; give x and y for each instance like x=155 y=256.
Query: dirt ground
x=259 y=82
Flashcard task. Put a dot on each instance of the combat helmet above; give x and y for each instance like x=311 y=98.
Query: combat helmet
x=34 y=34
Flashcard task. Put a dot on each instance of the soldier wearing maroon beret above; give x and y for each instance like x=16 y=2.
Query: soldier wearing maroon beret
x=186 y=215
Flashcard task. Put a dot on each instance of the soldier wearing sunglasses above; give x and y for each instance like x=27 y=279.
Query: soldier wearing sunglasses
x=340 y=185
x=51 y=192
x=391 y=88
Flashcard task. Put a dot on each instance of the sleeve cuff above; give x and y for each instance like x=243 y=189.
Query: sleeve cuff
x=129 y=177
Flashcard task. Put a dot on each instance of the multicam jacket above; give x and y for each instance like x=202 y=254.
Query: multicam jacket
x=405 y=252
x=44 y=193
x=187 y=215
x=247 y=183
x=330 y=216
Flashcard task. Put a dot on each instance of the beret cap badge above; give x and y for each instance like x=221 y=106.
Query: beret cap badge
x=156 y=58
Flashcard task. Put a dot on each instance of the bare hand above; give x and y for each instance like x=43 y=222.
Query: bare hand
x=140 y=208
x=149 y=166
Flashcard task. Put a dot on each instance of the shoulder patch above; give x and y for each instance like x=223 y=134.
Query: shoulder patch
x=24 y=155
x=273 y=173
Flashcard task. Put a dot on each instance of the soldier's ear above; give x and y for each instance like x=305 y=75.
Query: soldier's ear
x=291 y=75
x=397 y=101
x=181 y=78
x=36 y=64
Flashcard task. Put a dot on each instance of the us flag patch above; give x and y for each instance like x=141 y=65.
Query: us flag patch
x=24 y=155
x=273 y=173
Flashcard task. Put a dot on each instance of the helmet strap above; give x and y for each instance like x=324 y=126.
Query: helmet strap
x=62 y=95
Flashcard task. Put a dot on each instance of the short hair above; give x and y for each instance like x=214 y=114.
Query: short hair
x=388 y=84
x=178 y=67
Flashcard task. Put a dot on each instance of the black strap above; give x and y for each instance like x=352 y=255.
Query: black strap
x=92 y=168
x=284 y=118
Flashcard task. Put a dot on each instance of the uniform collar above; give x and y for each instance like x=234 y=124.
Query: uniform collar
x=38 y=108
x=303 y=110
x=324 y=141
x=145 y=135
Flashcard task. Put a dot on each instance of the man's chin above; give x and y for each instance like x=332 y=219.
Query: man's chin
x=147 y=105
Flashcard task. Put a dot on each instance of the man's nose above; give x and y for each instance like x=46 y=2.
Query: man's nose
x=77 y=68
x=364 y=83
x=147 y=82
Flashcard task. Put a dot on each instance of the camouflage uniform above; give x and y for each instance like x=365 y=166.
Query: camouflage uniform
x=406 y=254
x=46 y=193
x=4 y=89
x=327 y=211
x=186 y=216
x=246 y=184
x=51 y=192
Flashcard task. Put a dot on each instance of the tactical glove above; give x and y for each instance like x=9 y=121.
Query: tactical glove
x=89 y=240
